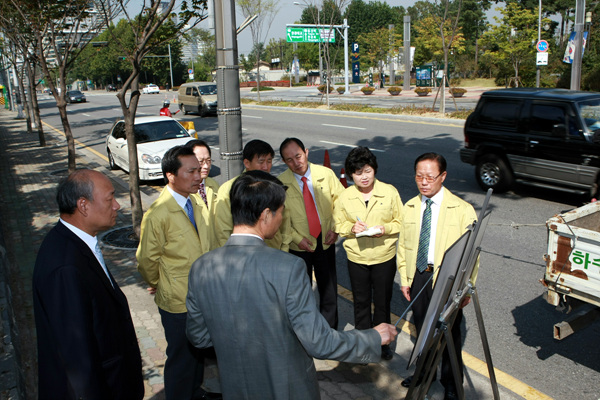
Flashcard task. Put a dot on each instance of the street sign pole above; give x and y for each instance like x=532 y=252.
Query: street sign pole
x=537 y=67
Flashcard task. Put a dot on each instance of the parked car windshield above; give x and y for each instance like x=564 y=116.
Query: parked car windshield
x=590 y=112
x=208 y=89
x=162 y=130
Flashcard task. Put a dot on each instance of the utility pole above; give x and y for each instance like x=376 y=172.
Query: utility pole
x=406 y=85
x=576 y=66
x=229 y=110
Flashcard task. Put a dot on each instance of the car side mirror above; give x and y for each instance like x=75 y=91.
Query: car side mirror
x=120 y=141
x=193 y=133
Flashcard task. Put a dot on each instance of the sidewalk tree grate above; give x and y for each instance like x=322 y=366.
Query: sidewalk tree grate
x=120 y=238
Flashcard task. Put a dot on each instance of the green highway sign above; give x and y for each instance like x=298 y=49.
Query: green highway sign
x=310 y=35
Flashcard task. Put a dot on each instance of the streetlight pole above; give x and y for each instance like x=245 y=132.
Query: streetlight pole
x=318 y=27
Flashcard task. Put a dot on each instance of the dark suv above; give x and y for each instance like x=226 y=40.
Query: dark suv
x=542 y=137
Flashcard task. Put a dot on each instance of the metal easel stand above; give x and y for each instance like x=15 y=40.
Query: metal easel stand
x=442 y=338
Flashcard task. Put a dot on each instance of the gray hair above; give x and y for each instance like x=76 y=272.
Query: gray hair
x=77 y=185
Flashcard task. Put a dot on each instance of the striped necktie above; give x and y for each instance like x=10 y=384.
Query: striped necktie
x=423 y=250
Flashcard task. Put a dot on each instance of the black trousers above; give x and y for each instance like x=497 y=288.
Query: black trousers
x=323 y=264
x=419 y=309
x=372 y=283
x=184 y=368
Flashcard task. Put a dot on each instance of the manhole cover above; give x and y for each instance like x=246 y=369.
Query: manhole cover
x=120 y=238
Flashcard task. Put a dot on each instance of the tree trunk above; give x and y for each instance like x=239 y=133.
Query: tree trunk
x=35 y=107
x=24 y=102
x=258 y=74
x=135 y=197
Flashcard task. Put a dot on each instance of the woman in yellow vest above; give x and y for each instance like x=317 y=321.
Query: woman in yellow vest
x=369 y=216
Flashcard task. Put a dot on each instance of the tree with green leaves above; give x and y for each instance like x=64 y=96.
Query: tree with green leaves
x=154 y=26
x=265 y=11
x=60 y=30
x=206 y=61
x=510 y=43
x=18 y=44
x=376 y=47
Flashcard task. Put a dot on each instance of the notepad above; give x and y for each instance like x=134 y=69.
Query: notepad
x=369 y=232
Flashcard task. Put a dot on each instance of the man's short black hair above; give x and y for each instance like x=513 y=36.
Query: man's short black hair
x=252 y=193
x=358 y=158
x=257 y=148
x=289 y=140
x=199 y=143
x=75 y=186
x=171 y=162
x=441 y=161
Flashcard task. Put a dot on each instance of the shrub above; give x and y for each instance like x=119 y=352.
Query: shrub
x=394 y=89
x=457 y=91
x=425 y=90
x=323 y=88
x=367 y=89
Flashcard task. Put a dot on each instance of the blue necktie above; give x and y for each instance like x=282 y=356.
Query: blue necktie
x=423 y=250
x=190 y=213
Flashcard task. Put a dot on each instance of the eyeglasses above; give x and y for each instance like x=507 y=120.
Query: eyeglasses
x=429 y=179
x=206 y=161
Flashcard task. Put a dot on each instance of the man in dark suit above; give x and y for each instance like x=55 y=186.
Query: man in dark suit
x=87 y=347
x=254 y=304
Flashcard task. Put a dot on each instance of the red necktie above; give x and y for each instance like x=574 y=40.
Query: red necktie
x=203 y=193
x=314 y=225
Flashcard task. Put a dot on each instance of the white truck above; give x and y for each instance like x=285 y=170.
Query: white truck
x=572 y=274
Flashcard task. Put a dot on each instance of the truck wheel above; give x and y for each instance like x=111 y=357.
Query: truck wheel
x=203 y=112
x=111 y=161
x=183 y=110
x=491 y=171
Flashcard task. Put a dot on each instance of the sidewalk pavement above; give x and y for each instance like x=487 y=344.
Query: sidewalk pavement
x=29 y=175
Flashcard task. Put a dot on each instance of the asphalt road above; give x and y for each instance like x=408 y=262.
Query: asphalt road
x=518 y=321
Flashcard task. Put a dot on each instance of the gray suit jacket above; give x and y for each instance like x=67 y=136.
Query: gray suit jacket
x=254 y=304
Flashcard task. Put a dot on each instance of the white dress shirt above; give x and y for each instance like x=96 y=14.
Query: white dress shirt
x=435 y=213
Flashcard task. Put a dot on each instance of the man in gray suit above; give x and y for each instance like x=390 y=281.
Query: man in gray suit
x=254 y=304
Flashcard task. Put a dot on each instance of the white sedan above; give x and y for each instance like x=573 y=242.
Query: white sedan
x=150 y=89
x=153 y=136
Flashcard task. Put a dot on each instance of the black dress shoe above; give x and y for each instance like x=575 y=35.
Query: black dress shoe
x=386 y=352
x=211 y=396
x=406 y=383
x=450 y=395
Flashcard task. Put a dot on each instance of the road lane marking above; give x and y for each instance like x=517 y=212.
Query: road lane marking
x=346 y=127
x=378 y=117
x=251 y=116
x=77 y=142
x=87 y=115
x=349 y=145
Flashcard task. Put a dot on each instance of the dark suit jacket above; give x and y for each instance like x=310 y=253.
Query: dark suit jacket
x=87 y=347
x=256 y=306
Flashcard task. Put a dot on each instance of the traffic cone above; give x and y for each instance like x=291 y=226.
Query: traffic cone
x=343 y=180
x=327 y=162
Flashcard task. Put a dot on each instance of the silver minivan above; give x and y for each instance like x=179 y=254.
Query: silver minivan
x=198 y=97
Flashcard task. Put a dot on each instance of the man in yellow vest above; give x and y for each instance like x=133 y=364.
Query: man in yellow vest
x=312 y=190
